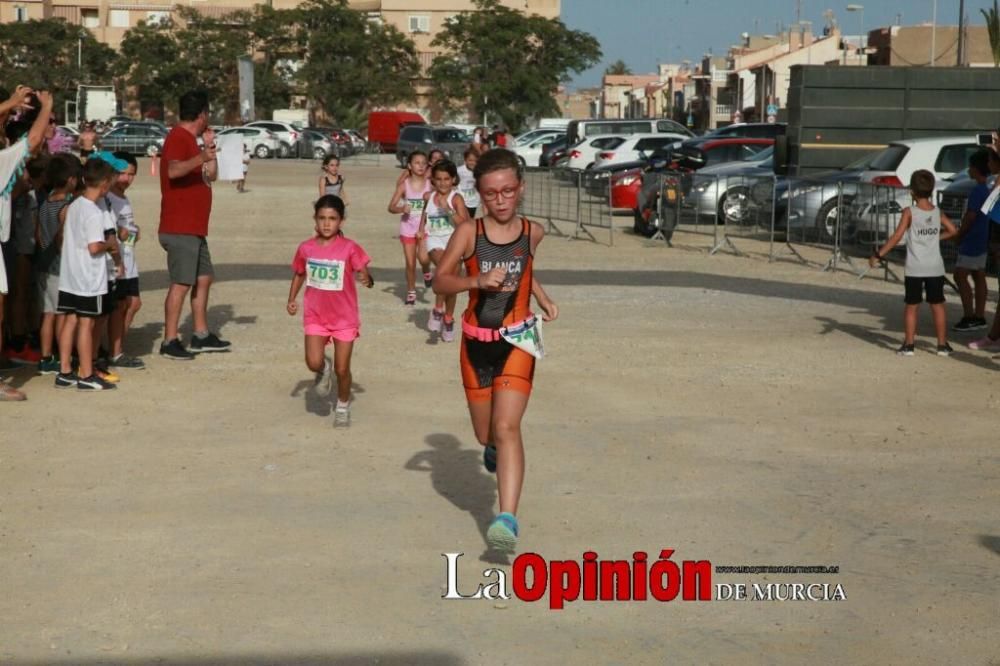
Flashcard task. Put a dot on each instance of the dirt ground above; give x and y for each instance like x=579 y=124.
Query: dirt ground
x=730 y=409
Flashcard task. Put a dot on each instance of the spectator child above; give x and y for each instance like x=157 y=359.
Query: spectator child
x=63 y=176
x=83 y=278
x=921 y=225
x=973 y=249
x=126 y=294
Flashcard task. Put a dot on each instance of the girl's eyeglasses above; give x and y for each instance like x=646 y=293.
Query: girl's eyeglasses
x=491 y=195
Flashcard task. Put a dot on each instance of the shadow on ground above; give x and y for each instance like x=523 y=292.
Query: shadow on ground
x=886 y=306
x=457 y=475
x=144 y=340
x=320 y=405
x=422 y=658
x=990 y=543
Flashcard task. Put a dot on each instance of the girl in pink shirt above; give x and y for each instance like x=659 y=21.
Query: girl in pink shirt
x=408 y=201
x=326 y=264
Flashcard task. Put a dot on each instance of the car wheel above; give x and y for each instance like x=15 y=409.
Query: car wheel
x=262 y=152
x=284 y=150
x=828 y=217
x=734 y=206
x=152 y=150
x=640 y=225
x=318 y=153
x=520 y=160
x=402 y=160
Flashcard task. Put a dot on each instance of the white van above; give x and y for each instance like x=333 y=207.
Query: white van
x=553 y=123
x=579 y=130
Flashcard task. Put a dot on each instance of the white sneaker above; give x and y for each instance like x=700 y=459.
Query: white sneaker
x=342 y=417
x=985 y=344
x=324 y=380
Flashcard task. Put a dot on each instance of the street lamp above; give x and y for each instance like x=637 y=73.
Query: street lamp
x=861 y=9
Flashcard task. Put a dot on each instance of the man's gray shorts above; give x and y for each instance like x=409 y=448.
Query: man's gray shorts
x=187 y=257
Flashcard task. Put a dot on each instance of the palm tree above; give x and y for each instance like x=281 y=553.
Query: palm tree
x=993 y=27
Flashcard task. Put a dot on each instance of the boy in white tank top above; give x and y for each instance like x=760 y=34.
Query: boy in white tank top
x=921 y=225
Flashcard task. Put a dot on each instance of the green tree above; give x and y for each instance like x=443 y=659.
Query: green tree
x=618 y=67
x=507 y=64
x=993 y=28
x=53 y=54
x=164 y=60
x=151 y=63
x=351 y=61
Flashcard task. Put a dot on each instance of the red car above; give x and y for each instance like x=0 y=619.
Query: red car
x=625 y=185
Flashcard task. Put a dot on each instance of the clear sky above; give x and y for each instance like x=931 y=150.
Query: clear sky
x=644 y=33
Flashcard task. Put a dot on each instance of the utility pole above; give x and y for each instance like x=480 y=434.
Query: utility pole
x=933 y=32
x=961 y=33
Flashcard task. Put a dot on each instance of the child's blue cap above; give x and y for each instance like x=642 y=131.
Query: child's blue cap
x=117 y=164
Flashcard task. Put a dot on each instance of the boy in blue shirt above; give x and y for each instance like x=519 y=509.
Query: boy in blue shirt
x=973 y=248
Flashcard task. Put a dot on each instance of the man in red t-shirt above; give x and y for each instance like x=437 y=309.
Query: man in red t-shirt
x=186 y=171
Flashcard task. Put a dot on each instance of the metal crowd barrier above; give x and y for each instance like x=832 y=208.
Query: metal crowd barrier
x=371 y=154
x=847 y=220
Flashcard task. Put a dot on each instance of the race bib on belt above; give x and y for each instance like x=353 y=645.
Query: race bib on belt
x=130 y=241
x=439 y=224
x=526 y=335
x=416 y=205
x=325 y=274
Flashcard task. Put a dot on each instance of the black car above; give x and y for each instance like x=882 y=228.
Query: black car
x=553 y=151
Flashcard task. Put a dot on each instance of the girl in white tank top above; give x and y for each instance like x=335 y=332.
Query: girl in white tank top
x=445 y=209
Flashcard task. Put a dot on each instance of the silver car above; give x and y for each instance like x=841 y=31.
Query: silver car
x=317 y=146
x=135 y=138
x=449 y=140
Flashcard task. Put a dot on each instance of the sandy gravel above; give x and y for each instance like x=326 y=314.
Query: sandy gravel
x=730 y=409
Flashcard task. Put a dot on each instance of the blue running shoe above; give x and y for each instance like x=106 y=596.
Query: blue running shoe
x=502 y=535
x=490 y=458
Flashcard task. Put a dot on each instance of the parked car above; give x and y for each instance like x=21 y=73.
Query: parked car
x=531 y=136
x=290 y=137
x=723 y=191
x=553 y=151
x=582 y=129
x=636 y=147
x=384 y=127
x=882 y=191
x=528 y=154
x=818 y=199
x=720 y=150
x=357 y=141
x=135 y=138
x=340 y=138
x=450 y=140
x=260 y=142
x=318 y=145
x=584 y=154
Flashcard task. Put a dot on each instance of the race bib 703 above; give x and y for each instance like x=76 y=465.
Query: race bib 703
x=325 y=274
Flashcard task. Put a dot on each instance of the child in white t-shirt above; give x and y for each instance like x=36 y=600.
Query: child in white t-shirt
x=126 y=294
x=83 y=278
